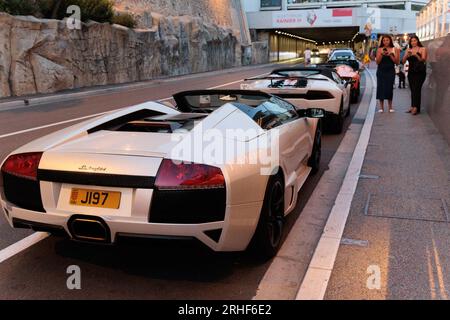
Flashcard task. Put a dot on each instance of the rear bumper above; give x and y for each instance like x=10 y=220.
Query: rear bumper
x=236 y=230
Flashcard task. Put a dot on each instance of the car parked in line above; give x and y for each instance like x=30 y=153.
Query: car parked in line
x=307 y=87
x=122 y=174
x=348 y=73
x=347 y=56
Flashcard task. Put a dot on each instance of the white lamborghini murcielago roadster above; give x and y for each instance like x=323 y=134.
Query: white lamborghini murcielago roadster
x=132 y=172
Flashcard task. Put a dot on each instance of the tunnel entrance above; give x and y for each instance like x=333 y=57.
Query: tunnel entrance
x=287 y=44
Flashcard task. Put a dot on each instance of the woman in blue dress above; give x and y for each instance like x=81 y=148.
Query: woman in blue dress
x=387 y=57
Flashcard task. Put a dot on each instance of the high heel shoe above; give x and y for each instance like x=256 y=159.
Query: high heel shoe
x=414 y=111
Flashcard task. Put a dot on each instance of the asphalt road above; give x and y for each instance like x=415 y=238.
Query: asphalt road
x=140 y=269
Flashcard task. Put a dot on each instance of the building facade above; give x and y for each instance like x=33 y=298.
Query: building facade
x=433 y=21
x=386 y=16
x=288 y=24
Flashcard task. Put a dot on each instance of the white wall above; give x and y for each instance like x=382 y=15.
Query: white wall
x=251 y=5
x=383 y=20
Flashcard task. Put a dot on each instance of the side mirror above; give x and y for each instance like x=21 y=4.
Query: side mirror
x=349 y=82
x=311 y=113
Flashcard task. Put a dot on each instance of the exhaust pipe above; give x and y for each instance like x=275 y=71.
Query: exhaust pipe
x=89 y=228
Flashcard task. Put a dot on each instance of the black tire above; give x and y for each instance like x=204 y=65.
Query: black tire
x=354 y=96
x=314 y=160
x=269 y=233
x=338 y=120
x=347 y=114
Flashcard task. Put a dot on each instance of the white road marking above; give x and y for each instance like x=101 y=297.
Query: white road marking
x=228 y=84
x=319 y=271
x=21 y=245
x=50 y=125
x=101 y=113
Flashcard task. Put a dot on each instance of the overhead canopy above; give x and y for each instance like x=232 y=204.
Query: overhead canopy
x=327 y=34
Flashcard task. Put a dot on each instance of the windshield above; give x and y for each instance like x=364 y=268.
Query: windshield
x=267 y=111
x=342 y=55
x=209 y=102
x=297 y=73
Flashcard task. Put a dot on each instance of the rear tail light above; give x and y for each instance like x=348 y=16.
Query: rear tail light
x=188 y=193
x=23 y=165
x=179 y=176
x=318 y=95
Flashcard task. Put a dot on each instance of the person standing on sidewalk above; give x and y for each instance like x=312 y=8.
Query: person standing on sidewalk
x=387 y=57
x=417 y=57
x=307 y=57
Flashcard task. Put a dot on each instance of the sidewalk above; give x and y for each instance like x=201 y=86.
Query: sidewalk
x=399 y=214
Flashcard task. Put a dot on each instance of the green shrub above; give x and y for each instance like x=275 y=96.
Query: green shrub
x=97 y=10
x=48 y=8
x=124 y=19
x=19 y=7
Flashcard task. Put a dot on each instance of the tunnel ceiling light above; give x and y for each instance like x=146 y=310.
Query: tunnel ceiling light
x=295 y=36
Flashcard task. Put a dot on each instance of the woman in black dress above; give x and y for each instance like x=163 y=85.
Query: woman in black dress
x=387 y=58
x=417 y=72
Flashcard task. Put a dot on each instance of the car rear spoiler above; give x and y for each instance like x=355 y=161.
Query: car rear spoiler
x=334 y=63
x=281 y=78
x=330 y=65
x=301 y=81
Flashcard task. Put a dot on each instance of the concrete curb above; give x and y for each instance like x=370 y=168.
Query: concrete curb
x=287 y=270
x=319 y=271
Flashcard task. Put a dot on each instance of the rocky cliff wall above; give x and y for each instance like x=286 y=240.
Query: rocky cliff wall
x=44 y=56
x=218 y=12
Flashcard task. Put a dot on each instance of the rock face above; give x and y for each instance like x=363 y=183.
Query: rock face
x=43 y=56
x=260 y=52
x=219 y=12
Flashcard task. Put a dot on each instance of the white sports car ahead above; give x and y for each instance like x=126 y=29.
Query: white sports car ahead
x=309 y=87
x=124 y=175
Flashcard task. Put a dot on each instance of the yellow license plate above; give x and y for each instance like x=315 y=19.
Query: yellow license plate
x=95 y=198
